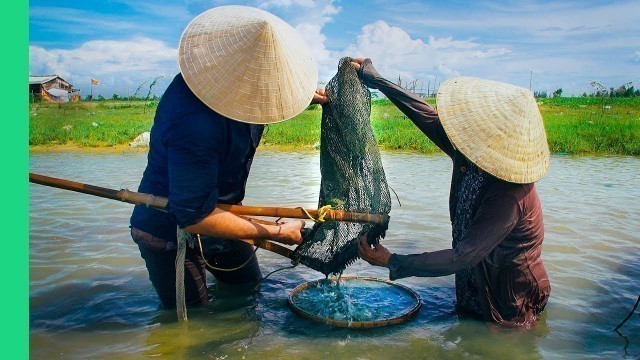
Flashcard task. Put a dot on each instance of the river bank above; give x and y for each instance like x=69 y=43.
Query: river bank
x=581 y=126
x=124 y=148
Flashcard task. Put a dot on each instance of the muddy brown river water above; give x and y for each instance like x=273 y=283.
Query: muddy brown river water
x=90 y=296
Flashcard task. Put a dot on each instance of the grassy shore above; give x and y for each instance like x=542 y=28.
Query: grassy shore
x=574 y=126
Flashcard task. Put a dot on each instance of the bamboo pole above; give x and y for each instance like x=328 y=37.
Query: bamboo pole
x=140 y=198
x=160 y=202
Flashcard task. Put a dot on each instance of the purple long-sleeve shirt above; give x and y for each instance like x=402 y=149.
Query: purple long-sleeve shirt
x=503 y=243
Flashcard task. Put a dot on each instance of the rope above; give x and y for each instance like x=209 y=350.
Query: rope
x=397 y=197
x=221 y=269
x=322 y=212
x=181 y=305
x=185 y=238
x=274 y=271
x=630 y=314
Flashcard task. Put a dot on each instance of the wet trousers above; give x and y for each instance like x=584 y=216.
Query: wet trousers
x=160 y=256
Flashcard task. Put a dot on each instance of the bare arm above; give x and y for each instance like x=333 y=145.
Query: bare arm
x=221 y=223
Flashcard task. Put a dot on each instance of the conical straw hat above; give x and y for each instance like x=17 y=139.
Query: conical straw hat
x=495 y=125
x=247 y=64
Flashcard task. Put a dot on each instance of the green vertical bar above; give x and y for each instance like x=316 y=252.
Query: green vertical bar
x=15 y=150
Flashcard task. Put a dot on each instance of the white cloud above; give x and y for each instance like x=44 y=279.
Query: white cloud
x=309 y=18
x=315 y=39
x=636 y=57
x=395 y=53
x=317 y=12
x=119 y=65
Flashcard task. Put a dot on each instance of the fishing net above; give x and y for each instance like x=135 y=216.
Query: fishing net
x=352 y=175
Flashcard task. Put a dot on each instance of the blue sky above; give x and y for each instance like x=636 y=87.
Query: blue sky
x=544 y=45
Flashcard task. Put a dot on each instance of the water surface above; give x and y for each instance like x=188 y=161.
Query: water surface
x=90 y=296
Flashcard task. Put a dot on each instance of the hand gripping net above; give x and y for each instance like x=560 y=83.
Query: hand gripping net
x=352 y=175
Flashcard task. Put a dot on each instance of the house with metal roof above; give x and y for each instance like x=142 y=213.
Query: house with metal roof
x=52 y=88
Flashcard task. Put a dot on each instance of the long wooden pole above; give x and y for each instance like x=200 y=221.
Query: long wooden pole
x=160 y=202
x=139 y=198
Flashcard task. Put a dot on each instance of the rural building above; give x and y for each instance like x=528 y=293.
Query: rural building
x=52 y=88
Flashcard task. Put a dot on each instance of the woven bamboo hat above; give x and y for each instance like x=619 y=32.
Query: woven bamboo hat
x=247 y=64
x=497 y=126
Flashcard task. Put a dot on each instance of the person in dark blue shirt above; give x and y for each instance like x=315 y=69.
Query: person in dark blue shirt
x=240 y=68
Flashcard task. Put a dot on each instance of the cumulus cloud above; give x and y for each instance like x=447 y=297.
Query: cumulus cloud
x=315 y=39
x=396 y=53
x=317 y=12
x=119 y=65
x=309 y=18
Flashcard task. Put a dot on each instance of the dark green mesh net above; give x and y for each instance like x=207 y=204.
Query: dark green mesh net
x=352 y=175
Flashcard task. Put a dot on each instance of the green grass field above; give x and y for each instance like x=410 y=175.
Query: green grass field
x=574 y=126
x=88 y=124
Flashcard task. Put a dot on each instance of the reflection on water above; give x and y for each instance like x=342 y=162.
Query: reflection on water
x=90 y=296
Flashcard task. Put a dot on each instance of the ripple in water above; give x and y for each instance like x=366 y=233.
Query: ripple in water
x=90 y=296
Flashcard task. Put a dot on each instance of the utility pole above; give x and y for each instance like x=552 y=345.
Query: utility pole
x=530 y=77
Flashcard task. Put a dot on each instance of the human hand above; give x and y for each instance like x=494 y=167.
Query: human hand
x=289 y=233
x=320 y=97
x=366 y=72
x=378 y=255
x=356 y=63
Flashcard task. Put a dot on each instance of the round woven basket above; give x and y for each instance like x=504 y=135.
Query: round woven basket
x=400 y=318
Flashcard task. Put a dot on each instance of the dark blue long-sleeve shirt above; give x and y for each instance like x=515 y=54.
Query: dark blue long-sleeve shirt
x=197 y=158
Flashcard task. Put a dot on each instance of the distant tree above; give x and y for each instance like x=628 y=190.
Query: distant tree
x=153 y=83
x=88 y=98
x=100 y=98
x=148 y=97
x=115 y=97
x=600 y=92
x=625 y=90
x=557 y=93
x=135 y=94
x=540 y=94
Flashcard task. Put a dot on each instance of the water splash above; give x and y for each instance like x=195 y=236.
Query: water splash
x=354 y=300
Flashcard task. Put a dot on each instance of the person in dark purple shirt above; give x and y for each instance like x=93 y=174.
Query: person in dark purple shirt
x=237 y=73
x=494 y=134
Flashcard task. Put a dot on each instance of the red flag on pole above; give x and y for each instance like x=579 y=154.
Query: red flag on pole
x=95 y=82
